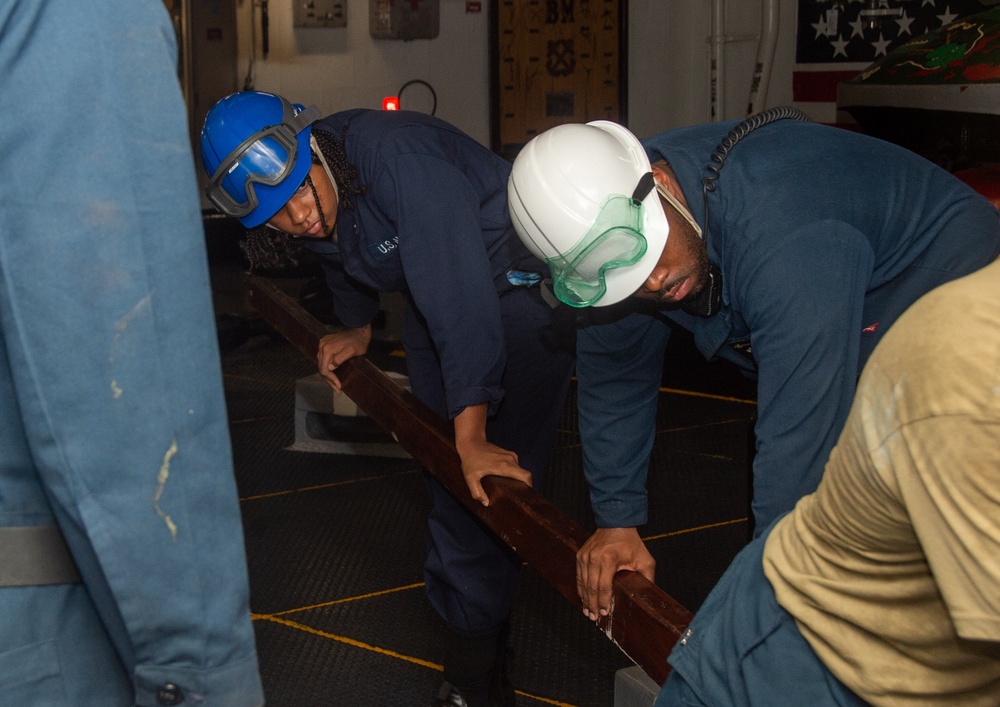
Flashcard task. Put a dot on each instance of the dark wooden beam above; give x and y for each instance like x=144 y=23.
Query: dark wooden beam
x=645 y=621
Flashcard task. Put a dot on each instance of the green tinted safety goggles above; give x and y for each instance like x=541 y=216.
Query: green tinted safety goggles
x=614 y=241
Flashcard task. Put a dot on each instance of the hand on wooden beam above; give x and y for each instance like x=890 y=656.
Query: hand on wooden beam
x=479 y=457
x=605 y=553
x=338 y=347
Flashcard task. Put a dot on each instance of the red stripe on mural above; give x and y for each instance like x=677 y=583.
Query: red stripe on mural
x=818 y=86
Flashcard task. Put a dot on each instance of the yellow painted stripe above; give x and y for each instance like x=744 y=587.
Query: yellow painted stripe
x=546 y=700
x=382 y=651
x=252 y=419
x=348 y=641
x=684 y=531
x=346 y=600
x=694 y=394
x=330 y=485
x=715 y=423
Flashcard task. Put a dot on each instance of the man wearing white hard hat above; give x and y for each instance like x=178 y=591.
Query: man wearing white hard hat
x=785 y=247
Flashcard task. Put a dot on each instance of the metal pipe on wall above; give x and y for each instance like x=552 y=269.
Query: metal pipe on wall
x=717 y=72
x=765 y=56
x=767 y=40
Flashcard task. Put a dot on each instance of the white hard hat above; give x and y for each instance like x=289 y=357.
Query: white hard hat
x=564 y=192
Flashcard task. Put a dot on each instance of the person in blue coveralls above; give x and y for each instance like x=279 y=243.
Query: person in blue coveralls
x=784 y=246
x=403 y=201
x=123 y=576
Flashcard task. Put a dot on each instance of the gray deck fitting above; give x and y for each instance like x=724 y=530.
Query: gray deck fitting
x=333 y=424
x=633 y=688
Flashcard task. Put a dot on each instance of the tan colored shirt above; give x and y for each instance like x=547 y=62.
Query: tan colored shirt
x=892 y=567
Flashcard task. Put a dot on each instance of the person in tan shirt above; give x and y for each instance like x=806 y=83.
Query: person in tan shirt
x=883 y=586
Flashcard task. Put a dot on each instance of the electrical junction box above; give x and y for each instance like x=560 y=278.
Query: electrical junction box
x=320 y=13
x=404 y=19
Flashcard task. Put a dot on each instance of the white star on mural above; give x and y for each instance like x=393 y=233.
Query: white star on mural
x=820 y=28
x=947 y=17
x=859 y=27
x=880 y=45
x=839 y=47
x=904 y=23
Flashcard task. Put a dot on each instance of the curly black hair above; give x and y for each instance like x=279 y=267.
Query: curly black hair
x=266 y=248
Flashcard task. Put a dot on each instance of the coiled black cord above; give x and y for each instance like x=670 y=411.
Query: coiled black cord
x=747 y=126
x=741 y=131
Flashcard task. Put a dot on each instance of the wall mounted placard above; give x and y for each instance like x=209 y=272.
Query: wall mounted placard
x=404 y=19
x=554 y=62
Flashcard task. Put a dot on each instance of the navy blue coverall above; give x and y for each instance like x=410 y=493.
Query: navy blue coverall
x=433 y=224
x=824 y=237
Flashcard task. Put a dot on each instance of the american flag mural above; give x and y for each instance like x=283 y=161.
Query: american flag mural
x=837 y=39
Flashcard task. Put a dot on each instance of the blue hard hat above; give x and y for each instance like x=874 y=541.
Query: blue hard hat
x=255 y=149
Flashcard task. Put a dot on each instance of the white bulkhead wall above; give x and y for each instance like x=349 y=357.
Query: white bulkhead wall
x=669 y=53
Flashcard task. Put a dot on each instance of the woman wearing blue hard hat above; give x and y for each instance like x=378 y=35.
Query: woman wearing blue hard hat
x=402 y=201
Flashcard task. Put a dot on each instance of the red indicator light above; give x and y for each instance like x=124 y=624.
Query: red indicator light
x=390 y=103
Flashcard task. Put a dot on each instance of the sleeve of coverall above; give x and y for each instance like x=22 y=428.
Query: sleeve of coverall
x=619 y=370
x=803 y=302
x=108 y=323
x=449 y=275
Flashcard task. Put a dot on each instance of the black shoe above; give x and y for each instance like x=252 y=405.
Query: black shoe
x=448 y=696
x=476 y=670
